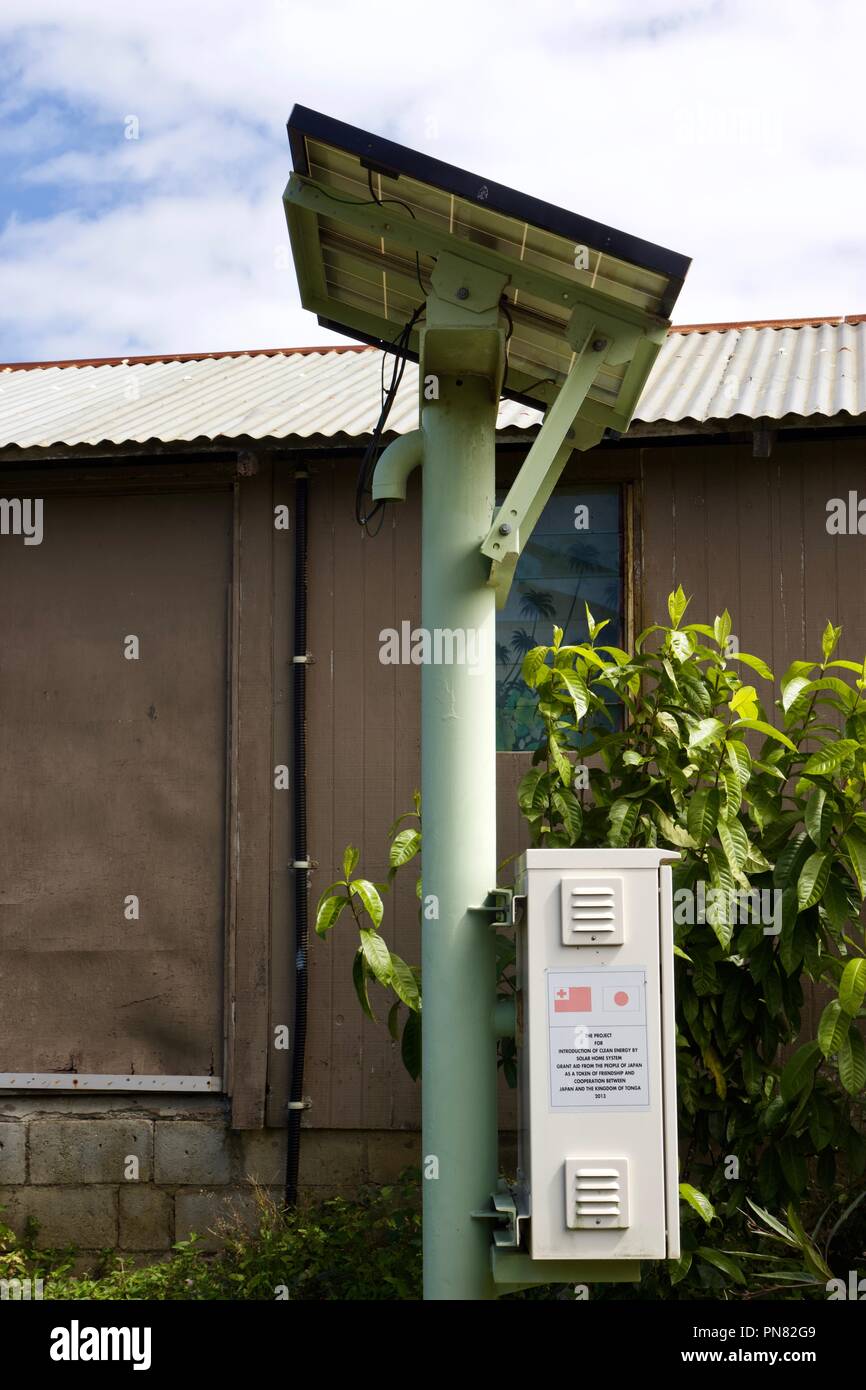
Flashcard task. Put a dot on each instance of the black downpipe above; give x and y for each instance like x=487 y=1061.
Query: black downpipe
x=300 y=862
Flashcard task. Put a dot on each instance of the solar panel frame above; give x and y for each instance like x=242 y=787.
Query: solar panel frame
x=360 y=274
x=305 y=124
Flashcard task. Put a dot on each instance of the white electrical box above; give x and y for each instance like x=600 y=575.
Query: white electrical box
x=598 y=1172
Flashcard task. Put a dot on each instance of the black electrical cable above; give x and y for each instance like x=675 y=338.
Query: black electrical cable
x=299 y=841
x=398 y=202
x=379 y=202
x=503 y=304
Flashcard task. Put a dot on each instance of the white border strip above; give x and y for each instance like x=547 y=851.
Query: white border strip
x=77 y=1081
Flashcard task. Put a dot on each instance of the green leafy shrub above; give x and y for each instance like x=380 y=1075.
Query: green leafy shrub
x=769 y=822
x=763 y=818
x=373 y=959
x=367 y=1249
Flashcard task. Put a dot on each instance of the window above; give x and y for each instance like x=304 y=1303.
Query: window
x=575 y=556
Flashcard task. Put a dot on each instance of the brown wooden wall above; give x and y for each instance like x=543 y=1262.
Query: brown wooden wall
x=735 y=531
x=152 y=777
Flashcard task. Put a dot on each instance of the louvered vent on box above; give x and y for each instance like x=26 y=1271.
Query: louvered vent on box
x=592 y=912
x=596 y=1193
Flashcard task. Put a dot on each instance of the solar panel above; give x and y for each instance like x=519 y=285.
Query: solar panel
x=369 y=218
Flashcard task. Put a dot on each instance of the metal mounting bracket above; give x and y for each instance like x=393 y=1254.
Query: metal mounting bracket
x=597 y=337
x=502 y=912
x=507 y=1207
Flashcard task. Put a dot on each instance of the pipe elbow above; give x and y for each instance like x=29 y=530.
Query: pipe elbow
x=402 y=456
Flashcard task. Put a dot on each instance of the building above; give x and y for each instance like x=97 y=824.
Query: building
x=156 y=515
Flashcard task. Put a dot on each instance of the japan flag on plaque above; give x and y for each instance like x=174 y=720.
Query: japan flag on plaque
x=621 y=1001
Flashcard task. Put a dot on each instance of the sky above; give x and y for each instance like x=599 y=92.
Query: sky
x=143 y=150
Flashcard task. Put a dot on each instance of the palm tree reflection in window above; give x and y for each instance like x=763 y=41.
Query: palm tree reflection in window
x=519 y=728
x=577 y=569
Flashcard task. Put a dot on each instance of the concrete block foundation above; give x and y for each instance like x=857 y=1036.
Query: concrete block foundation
x=129 y=1173
x=137 y=1173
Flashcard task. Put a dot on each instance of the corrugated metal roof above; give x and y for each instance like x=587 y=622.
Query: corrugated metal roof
x=759 y=373
x=701 y=376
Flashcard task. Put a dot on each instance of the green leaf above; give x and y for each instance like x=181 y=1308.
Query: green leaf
x=404 y=984
x=797 y=668
x=714 y=1067
x=813 y=879
x=534 y=663
x=410 y=1049
x=359 y=980
x=821 y=1122
x=703 y=813
x=829 y=640
x=793 y=690
x=351 y=855
x=377 y=955
x=677 y=834
x=852 y=986
x=726 y=1263
x=851 y=1062
x=529 y=796
x=696 y=1199
x=722 y=628
x=592 y=627
x=369 y=895
x=791 y=860
x=830 y=757
x=833 y=1028
x=733 y=788
x=328 y=911
x=818 y=816
x=793 y=1165
x=705 y=731
x=755 y=662
x=740 y=760
x=814 y=1262
x=622 y=819
x=680 y=644
x=404 y=847
x=678 y=1269
x=835 y=902
x=745 y=701
x=578 y=691
x=394 y=1021
x=569 y=809
x=734 y=841
x=559 y=760
x=855 y=845
x=799 y=1070
x=677 y=605
x=767 y=729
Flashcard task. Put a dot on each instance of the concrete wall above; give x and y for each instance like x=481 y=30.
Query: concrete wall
x=65 y=1161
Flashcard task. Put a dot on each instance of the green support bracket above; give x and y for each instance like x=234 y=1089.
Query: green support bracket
x=598 y=337
x=498 y=906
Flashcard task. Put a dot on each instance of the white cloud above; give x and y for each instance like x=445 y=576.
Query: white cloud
x=723 y=129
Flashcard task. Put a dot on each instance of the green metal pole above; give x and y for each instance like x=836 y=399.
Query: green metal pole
x=458 y=778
